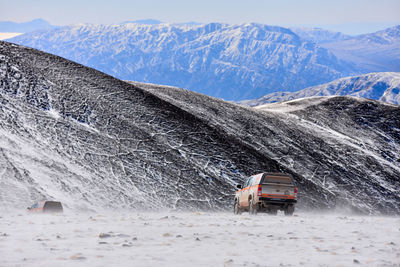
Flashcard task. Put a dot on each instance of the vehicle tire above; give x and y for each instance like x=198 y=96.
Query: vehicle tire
x=236 y=208
x=252 y=208
x=289 y=210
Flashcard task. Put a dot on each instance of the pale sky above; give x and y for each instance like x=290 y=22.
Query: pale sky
x=351 y=15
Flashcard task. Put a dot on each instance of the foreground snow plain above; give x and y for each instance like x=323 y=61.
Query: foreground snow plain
x=197 y=239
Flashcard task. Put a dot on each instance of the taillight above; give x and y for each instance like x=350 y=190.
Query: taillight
x=259 y=190
x=295 y=192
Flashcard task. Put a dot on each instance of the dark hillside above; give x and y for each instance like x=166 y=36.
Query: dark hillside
x=73 y=133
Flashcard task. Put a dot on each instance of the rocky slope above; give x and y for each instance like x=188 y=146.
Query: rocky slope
x=75 y=134
x=216 y=59
x=383 y=86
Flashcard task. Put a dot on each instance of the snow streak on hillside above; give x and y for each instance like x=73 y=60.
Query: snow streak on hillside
x=383 y=86
x=233 y=62
x=72 y=133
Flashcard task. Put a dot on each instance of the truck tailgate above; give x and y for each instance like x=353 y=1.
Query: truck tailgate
x=278 y=189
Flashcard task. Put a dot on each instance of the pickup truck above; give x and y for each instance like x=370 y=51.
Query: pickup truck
x=266 y=192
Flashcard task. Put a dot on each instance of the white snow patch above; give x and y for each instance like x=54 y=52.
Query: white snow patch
x=54 y=113
x=8 y=35
x=293 y=105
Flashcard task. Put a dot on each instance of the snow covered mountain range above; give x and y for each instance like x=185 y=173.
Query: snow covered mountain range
x=379 y=51
x=92 y=141
x=233 y=62
x=383 y=86
x=320 y=36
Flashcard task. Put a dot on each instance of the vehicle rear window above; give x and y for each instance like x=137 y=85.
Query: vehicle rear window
x=277 y=180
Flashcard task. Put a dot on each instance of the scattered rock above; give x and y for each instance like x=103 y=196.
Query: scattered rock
x=356 y=261
x=127 y=245
x=134 y=238
x=198 y=239
x=228 y=262
x=122 y=235
x=103 y=243
x=104 y=235
x=164 y=218
x=77 y=257
x=178 y=236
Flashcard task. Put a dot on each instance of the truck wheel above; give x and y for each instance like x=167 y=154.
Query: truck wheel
x=289 y=210
x=236 y=208
x=252 y=208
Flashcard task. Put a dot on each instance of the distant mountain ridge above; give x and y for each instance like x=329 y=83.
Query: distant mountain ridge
x=33 y=25
x=379 y=51
x=383 y=86
x=233 y=62
x=143 y=21
x=319 y=35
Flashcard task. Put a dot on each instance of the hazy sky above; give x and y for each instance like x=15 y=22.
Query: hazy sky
x=354 y=15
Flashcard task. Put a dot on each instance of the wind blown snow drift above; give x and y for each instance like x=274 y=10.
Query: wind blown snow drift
x=73 y=133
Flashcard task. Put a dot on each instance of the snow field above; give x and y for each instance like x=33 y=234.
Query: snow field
x=197 y=239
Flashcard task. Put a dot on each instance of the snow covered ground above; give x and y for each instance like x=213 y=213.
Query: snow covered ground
x=197 y=239
x=7 y=35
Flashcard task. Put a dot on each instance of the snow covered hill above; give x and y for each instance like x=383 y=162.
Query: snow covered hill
x=379 y=51
x=77 y=135
x=383 y=86
x=233 y=62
